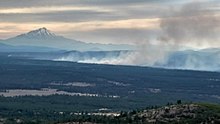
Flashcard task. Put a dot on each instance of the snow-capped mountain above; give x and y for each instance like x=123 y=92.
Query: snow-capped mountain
x=41 y=33
x=43 y=37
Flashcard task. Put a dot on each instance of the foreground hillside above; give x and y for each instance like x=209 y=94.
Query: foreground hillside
x=185 y=113
x=189 y=113
x=170 y=114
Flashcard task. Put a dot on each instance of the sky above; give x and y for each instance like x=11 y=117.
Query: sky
x=193 y=23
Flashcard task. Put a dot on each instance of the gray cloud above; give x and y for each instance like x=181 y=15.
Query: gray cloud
x=61 y=16
x=122 y=9
x=34 y=3
x=143 y=10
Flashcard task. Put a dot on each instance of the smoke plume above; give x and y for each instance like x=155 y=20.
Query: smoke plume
x=195 y=24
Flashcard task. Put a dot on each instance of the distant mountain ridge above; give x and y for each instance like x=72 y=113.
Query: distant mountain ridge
x=10 y=48
x=205 y=59
x=43 y=37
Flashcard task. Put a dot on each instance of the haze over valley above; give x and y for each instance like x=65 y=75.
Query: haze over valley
x=43 y=40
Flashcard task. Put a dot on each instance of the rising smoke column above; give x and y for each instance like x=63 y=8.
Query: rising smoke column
x=195 y=24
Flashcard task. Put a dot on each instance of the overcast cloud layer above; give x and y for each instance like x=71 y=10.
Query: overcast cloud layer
x=194 y=23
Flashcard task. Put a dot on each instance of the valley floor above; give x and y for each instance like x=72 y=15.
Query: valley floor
x=43 y=91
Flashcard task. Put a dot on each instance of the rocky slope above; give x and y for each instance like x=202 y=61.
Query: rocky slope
x=170 y=114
